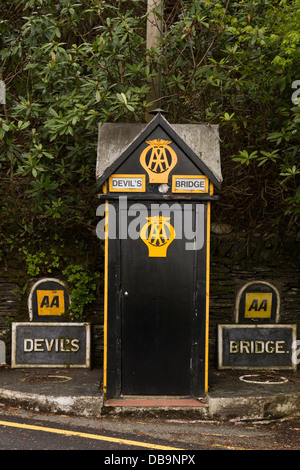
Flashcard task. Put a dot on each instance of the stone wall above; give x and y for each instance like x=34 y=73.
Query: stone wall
x=8 y=310
x=236 y=259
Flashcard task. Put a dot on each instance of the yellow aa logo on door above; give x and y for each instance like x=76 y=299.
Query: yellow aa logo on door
x=157 y=234
x=50 y=302
x=158 y=159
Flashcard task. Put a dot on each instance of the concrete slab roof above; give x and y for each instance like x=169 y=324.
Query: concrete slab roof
x=115 y=138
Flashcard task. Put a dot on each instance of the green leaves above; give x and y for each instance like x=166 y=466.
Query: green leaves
x=83 y=285
x=268 y=157
x=70 y=65
x=244 y=157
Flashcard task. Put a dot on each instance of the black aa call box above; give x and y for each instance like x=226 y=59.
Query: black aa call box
x=156 y=201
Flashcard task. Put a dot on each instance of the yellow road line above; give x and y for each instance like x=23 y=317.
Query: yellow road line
x=88 y=436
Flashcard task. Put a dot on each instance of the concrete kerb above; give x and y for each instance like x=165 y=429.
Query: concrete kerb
x=81 y=395
x=85 y=406
x=254 y=408
x=220 y=408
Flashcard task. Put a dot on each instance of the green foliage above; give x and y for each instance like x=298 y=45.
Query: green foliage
x=83 y=285
x=82 y=281
x=234 y=63
x=33 y=262
x=40 y=262
x=70 y=66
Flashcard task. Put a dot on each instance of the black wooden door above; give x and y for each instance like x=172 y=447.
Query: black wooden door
x=157 y=308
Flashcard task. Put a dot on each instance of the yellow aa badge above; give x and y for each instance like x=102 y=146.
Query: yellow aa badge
x=157 y=234
x=158 y=159
x=50 y=302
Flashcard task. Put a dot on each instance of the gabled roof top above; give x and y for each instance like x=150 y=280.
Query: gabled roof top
x=200 y=142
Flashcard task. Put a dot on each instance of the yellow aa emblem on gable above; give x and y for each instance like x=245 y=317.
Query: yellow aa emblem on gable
x=158 y=159
x=157 y=234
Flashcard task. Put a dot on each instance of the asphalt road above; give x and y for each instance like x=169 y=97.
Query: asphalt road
x=22 y=430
